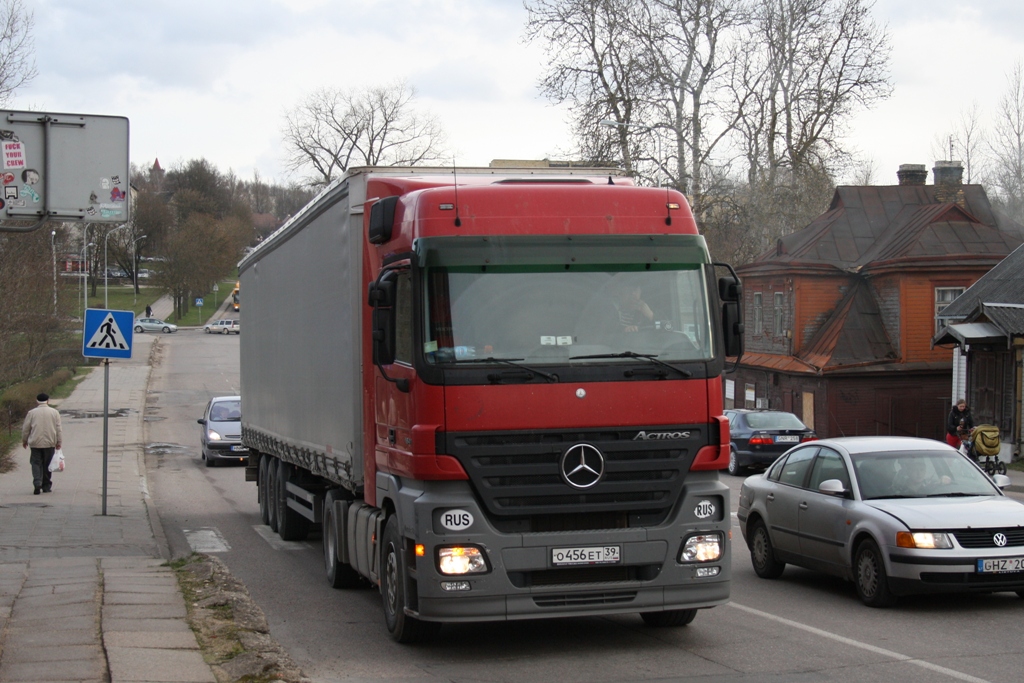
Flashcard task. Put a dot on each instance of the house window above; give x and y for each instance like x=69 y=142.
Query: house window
x=758 y=315
x=777 y=329
x=944 y=296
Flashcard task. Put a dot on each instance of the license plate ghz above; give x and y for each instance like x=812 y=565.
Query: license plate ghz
x=564 y=557
x=1001 y=565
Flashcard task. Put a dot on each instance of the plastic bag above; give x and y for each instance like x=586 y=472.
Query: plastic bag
x=57 y=461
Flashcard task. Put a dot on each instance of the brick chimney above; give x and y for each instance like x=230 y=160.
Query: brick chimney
x=949 y=176
x=912 y=174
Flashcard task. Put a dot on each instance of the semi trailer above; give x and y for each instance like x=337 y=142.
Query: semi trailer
x=496 y=393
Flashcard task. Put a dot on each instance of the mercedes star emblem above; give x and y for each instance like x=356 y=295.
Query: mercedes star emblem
x=582 y=466
x=999 y=539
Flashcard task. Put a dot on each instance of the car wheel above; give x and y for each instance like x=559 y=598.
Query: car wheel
x=138 y=328
x=402 y=627
x=734 y=467
x=672 y=617
x=210 y=462
x=339 y=574
x=870 y=577
x=762 y=553
x=167 y=330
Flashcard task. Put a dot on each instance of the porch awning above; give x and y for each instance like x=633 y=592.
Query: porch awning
x=969 y=333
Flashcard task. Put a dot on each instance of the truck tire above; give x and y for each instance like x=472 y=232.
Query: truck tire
x=272 y=493
x=402 y=627
x=672 y=617
x=262 y=489
x=291 y=526
x=339 y=574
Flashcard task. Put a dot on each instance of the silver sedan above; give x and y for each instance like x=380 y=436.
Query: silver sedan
x=894 y=515
x=154 y=325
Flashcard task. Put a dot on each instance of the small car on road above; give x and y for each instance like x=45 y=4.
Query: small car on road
x=154 y=325
x=895 y=515
x=220 y=431
x=758 y=437
x=224 y=326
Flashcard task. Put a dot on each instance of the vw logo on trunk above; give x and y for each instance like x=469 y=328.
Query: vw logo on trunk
x=999 y=539
x=582 y=466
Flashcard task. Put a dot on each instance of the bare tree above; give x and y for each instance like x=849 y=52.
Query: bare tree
x=964 y=141
x=1007 y=146
x=334 y=129
x=17 y=64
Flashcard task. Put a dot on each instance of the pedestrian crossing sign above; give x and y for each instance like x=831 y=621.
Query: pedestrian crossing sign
x=107 y=334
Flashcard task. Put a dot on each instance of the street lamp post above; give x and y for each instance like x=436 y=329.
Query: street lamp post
x=85 y=280
x=135 y=268
x=646 y=129
x=106 y=300
x=53 y=250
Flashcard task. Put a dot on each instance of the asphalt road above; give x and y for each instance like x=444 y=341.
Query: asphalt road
x=802 y=627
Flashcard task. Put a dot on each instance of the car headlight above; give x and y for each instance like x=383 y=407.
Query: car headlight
x=923 y=539
x=461 y=559
x=213 y=436
x=702 y=548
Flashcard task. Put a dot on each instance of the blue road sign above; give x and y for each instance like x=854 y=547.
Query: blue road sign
x=107 y=334
x=199 y=302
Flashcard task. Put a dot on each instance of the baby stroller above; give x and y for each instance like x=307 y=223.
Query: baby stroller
x=982 y=446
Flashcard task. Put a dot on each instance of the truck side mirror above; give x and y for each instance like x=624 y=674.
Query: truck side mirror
x=729 y=289
x=732 y=326
x=382 y=297
x=382 y=220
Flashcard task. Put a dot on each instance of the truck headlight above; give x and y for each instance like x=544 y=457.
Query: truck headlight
x=702 y=548
x=454 y=560
x=923 y=539
x=213 y=436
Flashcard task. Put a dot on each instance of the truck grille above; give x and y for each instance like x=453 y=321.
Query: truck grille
x=517 y=474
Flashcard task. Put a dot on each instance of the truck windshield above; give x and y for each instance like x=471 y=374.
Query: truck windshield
x=550 y=316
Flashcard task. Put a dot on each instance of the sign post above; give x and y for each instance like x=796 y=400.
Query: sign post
x=199 y=305
x=106 y=335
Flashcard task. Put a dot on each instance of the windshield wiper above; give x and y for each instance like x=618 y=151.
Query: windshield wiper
x=890 y=497
x=633 y=354
x=514 y=362
x=956 y=494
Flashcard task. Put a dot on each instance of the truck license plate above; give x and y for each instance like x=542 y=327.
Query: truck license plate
x=562 y=557
x=1001 y=565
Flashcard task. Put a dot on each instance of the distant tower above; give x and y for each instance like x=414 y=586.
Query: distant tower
x=156 y=175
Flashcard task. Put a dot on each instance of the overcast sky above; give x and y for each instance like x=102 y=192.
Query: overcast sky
x=213 y=78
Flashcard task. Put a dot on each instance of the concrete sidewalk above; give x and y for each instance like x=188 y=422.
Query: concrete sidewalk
x=83 y=596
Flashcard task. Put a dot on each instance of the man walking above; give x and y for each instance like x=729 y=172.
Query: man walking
x=42 y=433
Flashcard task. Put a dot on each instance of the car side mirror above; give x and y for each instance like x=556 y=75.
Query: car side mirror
x=1001 y=481
x=201 y=421
x=832 y=487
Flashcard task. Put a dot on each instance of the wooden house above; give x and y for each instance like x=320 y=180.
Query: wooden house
x=840 y=315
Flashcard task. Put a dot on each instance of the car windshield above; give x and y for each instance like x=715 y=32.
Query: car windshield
x=774 y=421
x=919 y=474
x=539 y=315
x=226 y=411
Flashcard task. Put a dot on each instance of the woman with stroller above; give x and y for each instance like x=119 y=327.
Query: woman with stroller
x=959 y=421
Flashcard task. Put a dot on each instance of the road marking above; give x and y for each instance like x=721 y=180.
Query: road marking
x=275 y=541
x=206 y=540
x=863 y=646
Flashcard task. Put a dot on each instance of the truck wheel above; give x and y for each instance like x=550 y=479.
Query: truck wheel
x=262 y=487
x=271 y=494
x=291 y=526
x=402 y=627
x=339 y=574
x=672 y=617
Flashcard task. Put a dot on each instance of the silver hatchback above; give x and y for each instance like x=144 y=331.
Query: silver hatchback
x=894 y=515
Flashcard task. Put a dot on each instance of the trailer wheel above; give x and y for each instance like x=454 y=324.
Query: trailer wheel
x=402 y=627
x=339 y=574
x=262 y=488
x=291 y=526
x=271 y=493
x=672 y=617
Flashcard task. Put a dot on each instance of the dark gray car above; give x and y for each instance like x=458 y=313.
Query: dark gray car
x=894 y=515
x=220 y=433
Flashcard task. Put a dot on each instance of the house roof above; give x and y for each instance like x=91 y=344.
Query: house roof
x=1003 y=284
x=852 y=335
x=969 y=333
x=868 y=226
x=1007 y=317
